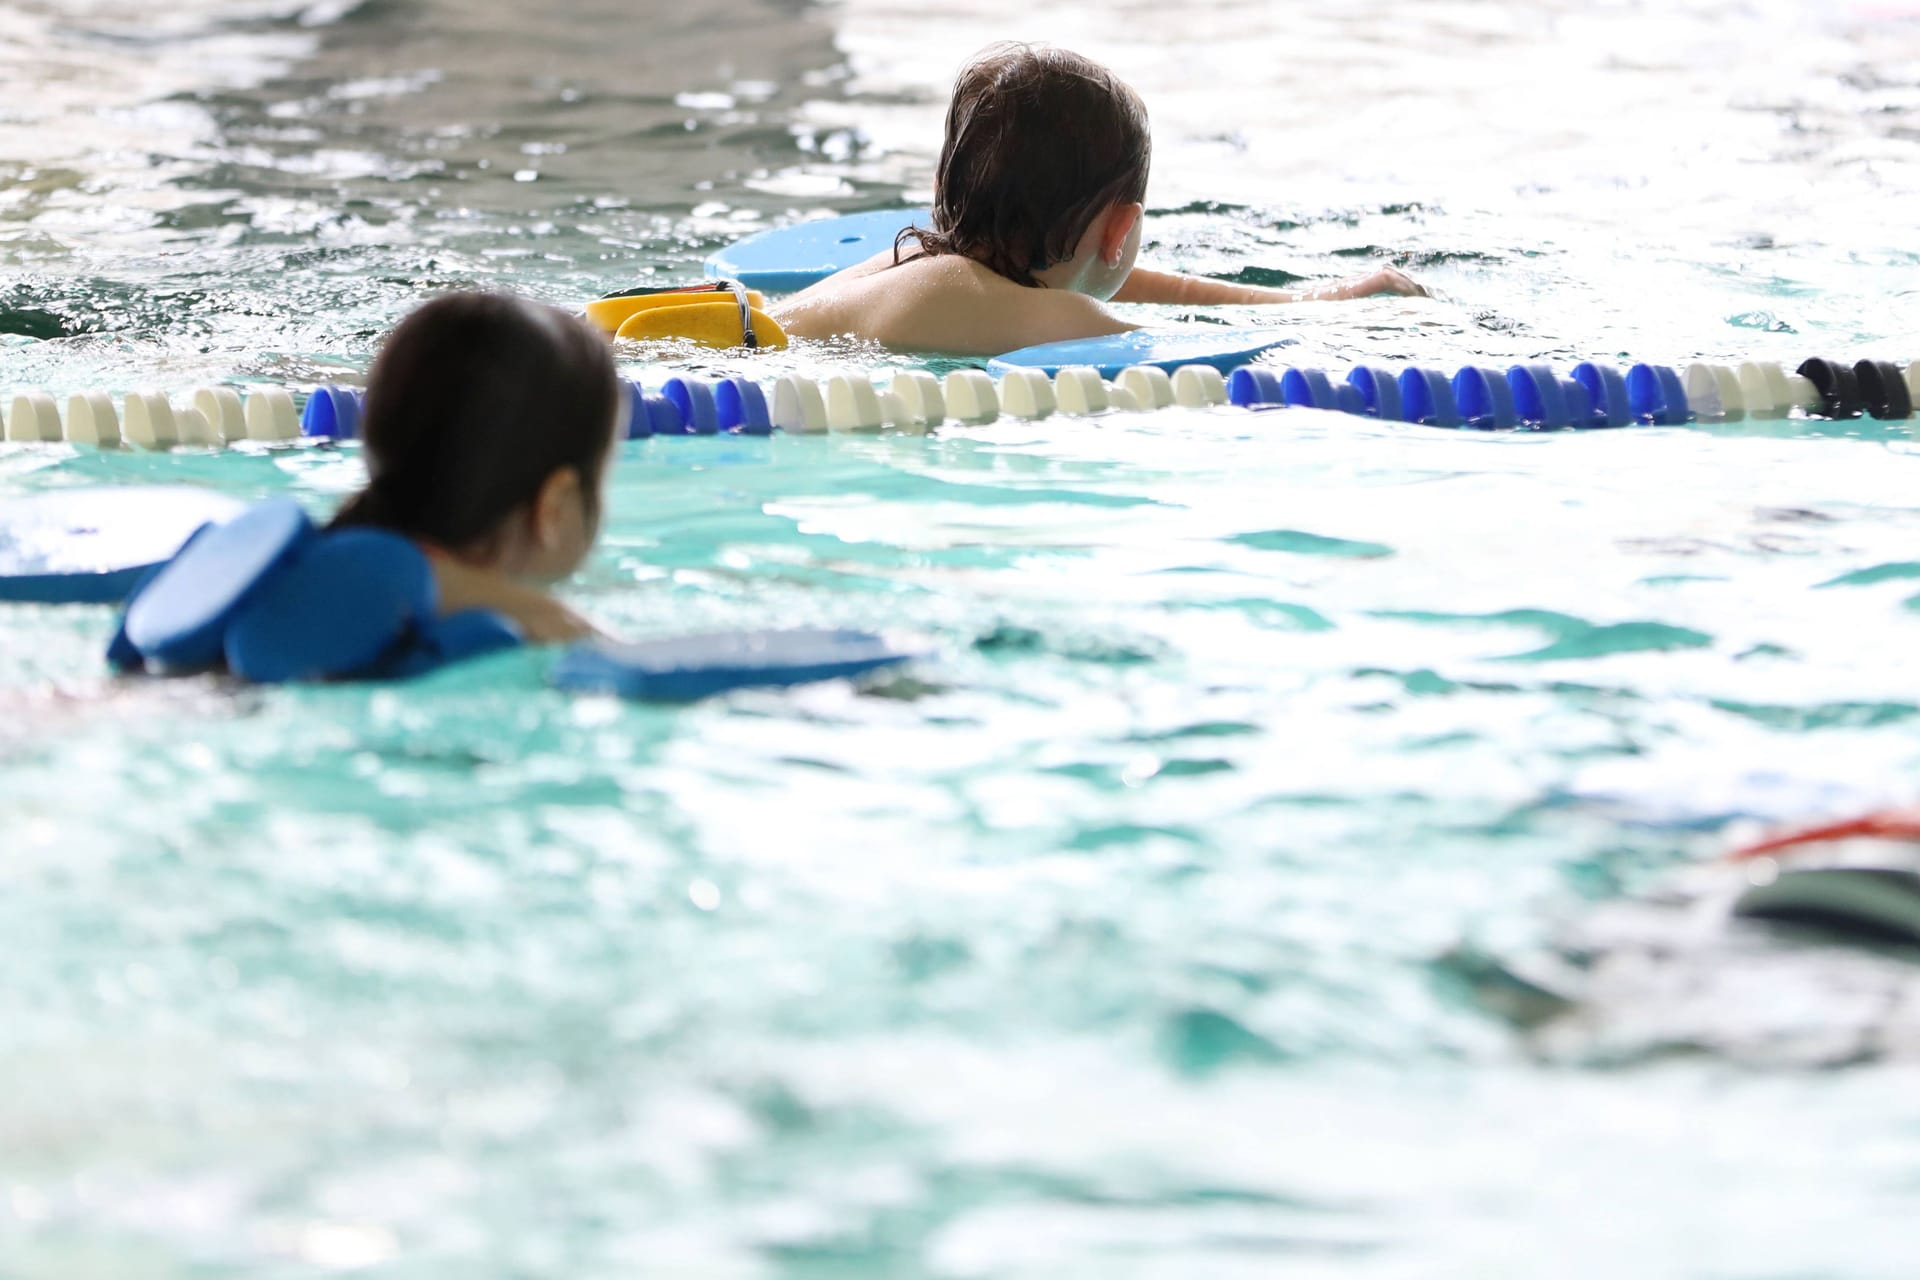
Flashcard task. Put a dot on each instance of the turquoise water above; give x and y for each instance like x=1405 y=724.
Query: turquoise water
x=1109 y=941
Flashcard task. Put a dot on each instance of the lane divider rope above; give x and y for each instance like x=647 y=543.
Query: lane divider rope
x=1522 y=397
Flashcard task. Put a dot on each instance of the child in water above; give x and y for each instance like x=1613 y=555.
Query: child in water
x=490 y=424
x=1036 y=224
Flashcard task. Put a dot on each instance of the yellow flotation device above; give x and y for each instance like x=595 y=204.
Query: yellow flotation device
x=722 y=313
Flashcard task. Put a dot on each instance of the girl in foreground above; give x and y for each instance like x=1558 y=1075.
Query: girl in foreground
x=1036 y=224
x=490 y=423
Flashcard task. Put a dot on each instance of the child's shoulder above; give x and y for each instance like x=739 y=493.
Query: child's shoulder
x=946 y=303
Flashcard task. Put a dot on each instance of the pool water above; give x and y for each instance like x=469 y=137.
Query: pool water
x=1110 y=940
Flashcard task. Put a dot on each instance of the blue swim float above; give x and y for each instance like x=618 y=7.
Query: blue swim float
x=1224 y=349
x=788 y=259
x=685 y=668
x=94 y=545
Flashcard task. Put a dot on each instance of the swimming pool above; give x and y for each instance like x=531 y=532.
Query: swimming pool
x=1107 y=942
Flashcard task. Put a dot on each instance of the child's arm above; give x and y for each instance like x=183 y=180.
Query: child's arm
x=541 y=618
x=1163 y=286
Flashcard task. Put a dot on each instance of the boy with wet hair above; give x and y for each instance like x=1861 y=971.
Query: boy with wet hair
x=1036 y=223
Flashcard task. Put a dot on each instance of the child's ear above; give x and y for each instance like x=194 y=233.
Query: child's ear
x=1121 y=220
x=556 y=506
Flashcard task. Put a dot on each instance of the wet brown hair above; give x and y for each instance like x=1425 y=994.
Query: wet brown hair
x=474 y=400
x=1040 y=141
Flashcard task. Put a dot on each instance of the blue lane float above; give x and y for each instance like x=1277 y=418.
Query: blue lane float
x=639 y=425
x=1485 y=399
x=1657 y=397
x=1607 y=392
x=1169 y=349
x=332 y=413
x=788 y=259
x=742 y=407
x=1426 y=398
x=686 y=668
x=1252 y=385
x=94 y=545
x=1547 y=401
x=693 y=398
x=1379 y=392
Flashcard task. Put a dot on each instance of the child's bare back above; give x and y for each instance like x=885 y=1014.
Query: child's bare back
x=1036 y=224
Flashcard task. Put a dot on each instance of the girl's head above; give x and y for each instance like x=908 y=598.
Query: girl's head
x=488 y=428
x=1043 y=149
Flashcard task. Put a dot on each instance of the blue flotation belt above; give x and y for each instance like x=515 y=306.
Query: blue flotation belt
x=270 y=598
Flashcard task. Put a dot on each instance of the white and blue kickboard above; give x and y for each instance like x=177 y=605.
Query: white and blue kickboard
x=1169 y=349
x=788 y=259
x=686 y=668
x=93 y=545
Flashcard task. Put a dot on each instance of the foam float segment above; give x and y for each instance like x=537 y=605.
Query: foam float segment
x=222 y=409
x=342 y=603
x=1607 y=391
x=1539 y=398
x=1252 y=385
x=1838 y=389
x=638 y=427
x=971 y=396
x=1379 y=392
x=92 y=546
x=853 y=404
x=1198 y=386
x=919 y=392
x=1307 y=388
x=270 y=415
x=1080 y=392
x=1764 y=388
x=1485 y=399
x=663 y=416
x=742 y=407
x=1224 y=349
x=1151 y=387
x=693 y=397
x=1426 y=397
x=191 y=426
x=687 y=668
x=1026 y=393
x=798 y=406
x=1883 y=390
x=1713 y=392
x=178 y=620
x=34 y=419
x=788 y=259
x=1656 y=396
x=91 y=420
x=332 y=413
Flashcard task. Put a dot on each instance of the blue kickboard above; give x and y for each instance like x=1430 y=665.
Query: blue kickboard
x=93 y=545
x=685 y=668
x=1224 y=349
x=788 y=259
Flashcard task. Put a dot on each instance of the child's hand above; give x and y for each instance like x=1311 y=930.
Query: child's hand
x=1385 y=280
x=544 y=620
x=541 y=618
